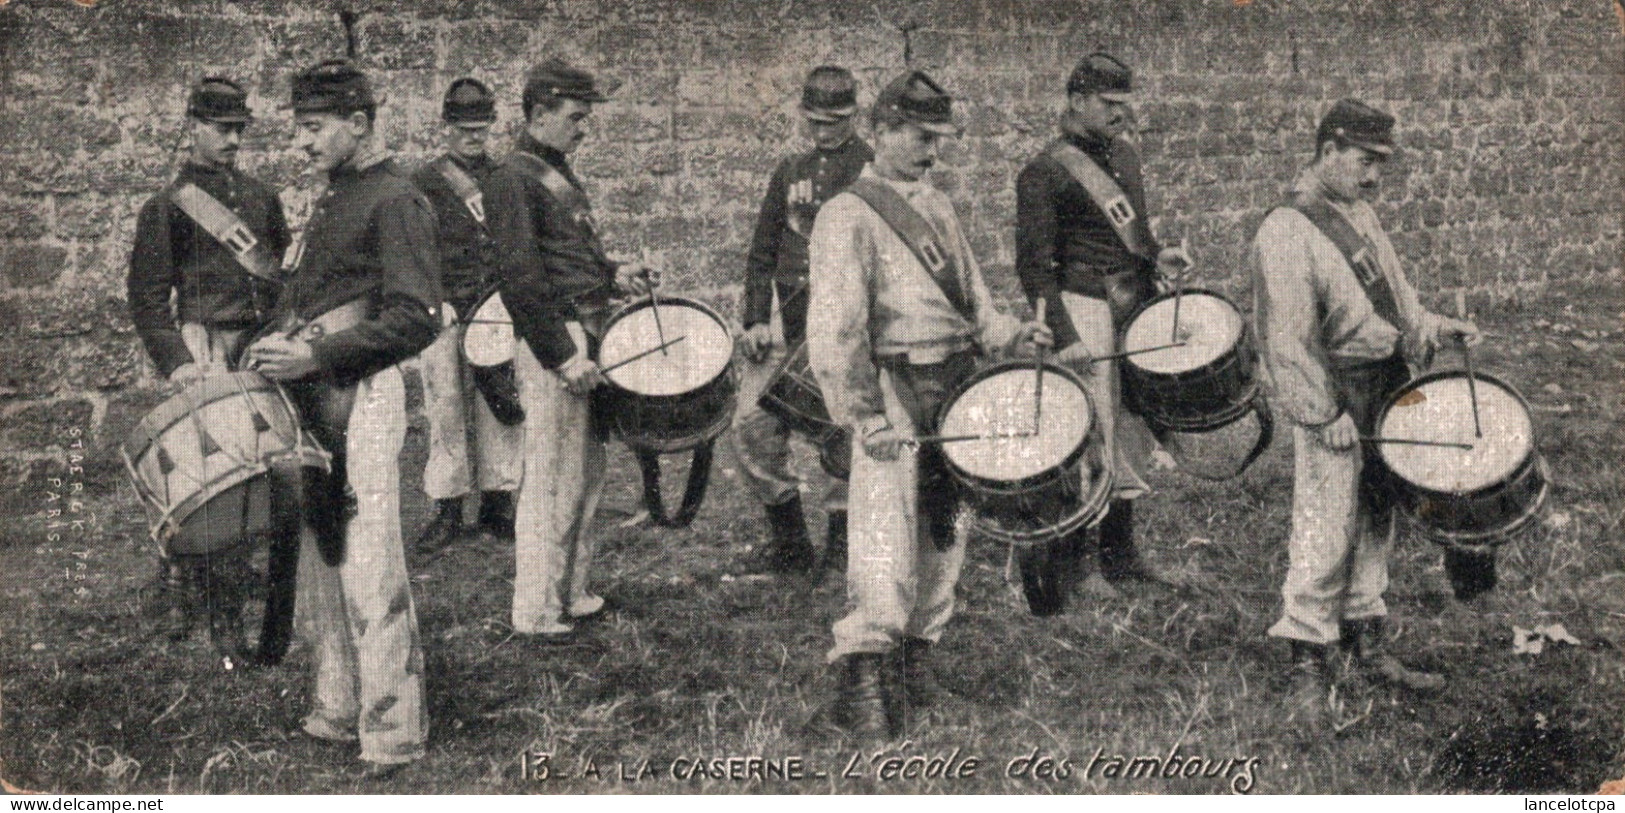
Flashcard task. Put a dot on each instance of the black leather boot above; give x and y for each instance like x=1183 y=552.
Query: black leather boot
x=860 y=696
x=1309 y=690
x=164 y=601
x=787 y=549
x=1471 y=573
x=1050 y=570
x=443 y=527
x=497 y=514
x=835 y=543
x=1119 y=559
x=919 y=679
x=1367 y=640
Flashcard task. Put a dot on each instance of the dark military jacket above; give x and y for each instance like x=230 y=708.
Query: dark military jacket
x=468 y=254
x=371 y=234
x=174 y=254
x=552 y=266
x=1064 y=241
x=778 y=251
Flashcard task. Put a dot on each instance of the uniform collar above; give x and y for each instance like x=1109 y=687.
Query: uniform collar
x=195 y=170
x=1308 y=184
x=907 y=188
x=479 y=163
x=1097 y=147
x=553 y=157
x=371 y=155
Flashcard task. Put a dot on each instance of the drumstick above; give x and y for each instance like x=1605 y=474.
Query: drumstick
x=960 y=438
x=1038 y=372
x=1127 y=353
x=1179 y=290
x=1467 y=360
x=1411 y=442
x=654 y=303
x=660 y=348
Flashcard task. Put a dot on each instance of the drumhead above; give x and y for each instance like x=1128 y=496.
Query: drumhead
x=488 y=338
x=703 y=354
x=1441 y=409
x=1001 y=405
x=1209 y=326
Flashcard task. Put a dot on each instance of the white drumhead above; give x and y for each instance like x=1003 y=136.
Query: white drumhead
x=702 y=355
x=1208 y=325
x=1001 y=405
x=488 y=339
x=1442 y=410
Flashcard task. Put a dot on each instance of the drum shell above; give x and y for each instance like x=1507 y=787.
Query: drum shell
x=201 y=499
x=792 y=395
x=1483 y=517
x=1208 y=397
x=671 y=423
x=1046 y=505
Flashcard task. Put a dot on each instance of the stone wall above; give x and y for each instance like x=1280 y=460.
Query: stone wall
x=1510 y=120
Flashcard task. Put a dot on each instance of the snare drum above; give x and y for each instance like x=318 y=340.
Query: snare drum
x=1204 y=384
x=675 y=399
x=1026 y=486
x=488 y=346
x=1468 y=498
x=793 y=396
x=200 y=460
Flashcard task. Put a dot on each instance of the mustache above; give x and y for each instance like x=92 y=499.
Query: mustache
x=925 y=163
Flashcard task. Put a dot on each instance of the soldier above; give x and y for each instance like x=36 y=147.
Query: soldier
x=364 y=295
x=778 y=264
x=898 y=317
x=556 y=282
x=1337 y=319
x=209 y=242
x=1084 y=246
x=454 y=185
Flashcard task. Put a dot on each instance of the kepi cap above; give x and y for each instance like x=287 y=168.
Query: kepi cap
x=830 y=94
x=1104 y=74
x=218 y=99
x=558 y=78
x=915 y=99
x=1359 y=124
x=332 y=86
x=468 y=101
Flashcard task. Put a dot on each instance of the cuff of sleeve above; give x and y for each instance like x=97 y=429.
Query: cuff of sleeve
x=1323 y=424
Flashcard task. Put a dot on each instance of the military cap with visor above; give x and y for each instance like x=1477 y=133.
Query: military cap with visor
x=469 y=102
x=559 y=79
x=1104 y=74
x=332 y=86
x=1359 y=124
x=914 y=98
x=830 y=94
x=218 y=99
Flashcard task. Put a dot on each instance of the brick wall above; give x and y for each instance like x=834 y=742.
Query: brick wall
x=1510 y=120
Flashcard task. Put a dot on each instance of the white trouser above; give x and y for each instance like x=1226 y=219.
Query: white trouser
x=1338 y=554
x=762 y=442
x=447 y=393
x=1127 y=440
x=367 y=657
x=564 y=479
x=897 y=582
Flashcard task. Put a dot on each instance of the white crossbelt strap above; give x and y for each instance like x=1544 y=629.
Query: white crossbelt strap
x=463 y=187
x=1106 y=194
x=225 y=226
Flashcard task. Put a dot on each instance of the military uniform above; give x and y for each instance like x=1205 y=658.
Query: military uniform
x=777 y=265
x=1333 y=342
x=215 y=301
x=1070 y=255
x=556 y=282
x=467 y=271
x=370 y=239
x=887 y=344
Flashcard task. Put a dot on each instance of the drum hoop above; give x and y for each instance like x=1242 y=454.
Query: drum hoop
x=644 y=302
x=996 y=369
x=1484 y=541
x=1439 y=375
x=1167 y=295
x=174 y=409
x=468 y=318
x=1094 y=507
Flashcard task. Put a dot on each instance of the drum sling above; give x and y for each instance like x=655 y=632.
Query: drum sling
x=1127 y=289
x=921 y=238
x=463 y=187
x=1356 y=250
x=226 y=227
x=574 y=200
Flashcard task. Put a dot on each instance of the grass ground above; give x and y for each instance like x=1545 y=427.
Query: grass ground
x=698 y=666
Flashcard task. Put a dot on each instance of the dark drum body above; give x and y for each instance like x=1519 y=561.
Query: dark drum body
x=674 y=399
x=200 y=461
x=1205 y=384
x=792 y=395
x=1473 y=498
x=1029 y=475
